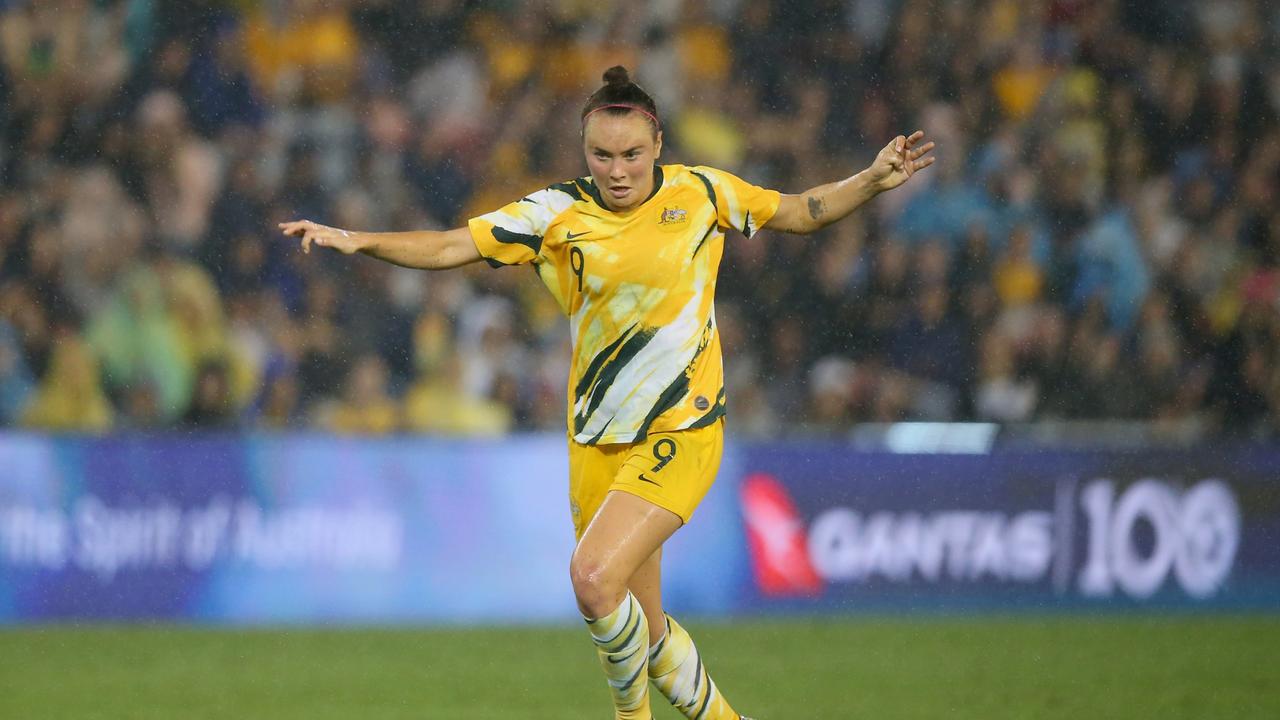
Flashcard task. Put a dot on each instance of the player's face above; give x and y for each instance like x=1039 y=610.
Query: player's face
x=621 y=151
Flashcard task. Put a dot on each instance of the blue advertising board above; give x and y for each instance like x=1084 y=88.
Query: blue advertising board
x=833 y=529
x=318 y=529
x=290 y=529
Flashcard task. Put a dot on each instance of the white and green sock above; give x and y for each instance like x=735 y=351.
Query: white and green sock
x=677 y=671
x=622 y=638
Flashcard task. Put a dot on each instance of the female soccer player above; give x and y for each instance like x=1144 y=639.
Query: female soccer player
x=631 y=253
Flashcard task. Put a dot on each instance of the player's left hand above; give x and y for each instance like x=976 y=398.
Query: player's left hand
x=899 y=160
x=313 y=232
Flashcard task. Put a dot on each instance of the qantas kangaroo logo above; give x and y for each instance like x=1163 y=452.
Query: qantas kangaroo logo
x=777 y=538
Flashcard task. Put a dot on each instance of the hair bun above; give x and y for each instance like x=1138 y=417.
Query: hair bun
x=620 y=95
x=617 y=75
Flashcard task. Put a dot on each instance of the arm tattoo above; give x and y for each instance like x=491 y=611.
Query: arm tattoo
x=817 y=207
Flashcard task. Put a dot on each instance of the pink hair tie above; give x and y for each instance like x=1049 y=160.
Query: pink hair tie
x=638 y=109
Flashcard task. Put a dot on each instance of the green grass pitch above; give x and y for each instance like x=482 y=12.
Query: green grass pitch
x=1166 y=667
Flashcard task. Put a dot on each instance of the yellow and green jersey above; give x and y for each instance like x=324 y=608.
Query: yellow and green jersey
x=638 y=288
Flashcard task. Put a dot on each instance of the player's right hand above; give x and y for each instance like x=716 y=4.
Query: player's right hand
x=898 y=161
x=323 y=235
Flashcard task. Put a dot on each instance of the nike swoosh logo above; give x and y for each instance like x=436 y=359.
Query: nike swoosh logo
x=570 y=237
x=655 y=482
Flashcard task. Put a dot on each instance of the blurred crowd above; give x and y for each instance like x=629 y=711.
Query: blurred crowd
x=1100 y=237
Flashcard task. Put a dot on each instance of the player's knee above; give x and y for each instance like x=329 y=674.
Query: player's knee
x=597 y=593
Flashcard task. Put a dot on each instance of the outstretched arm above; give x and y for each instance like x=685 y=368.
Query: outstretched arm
x=424 y=249
x=825 y=204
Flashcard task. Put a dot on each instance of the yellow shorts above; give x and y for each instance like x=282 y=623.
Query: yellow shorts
x=672 y=470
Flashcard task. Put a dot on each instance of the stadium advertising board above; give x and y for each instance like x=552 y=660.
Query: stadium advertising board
x=830 y=528
x=291 y=529
x=309 y=528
